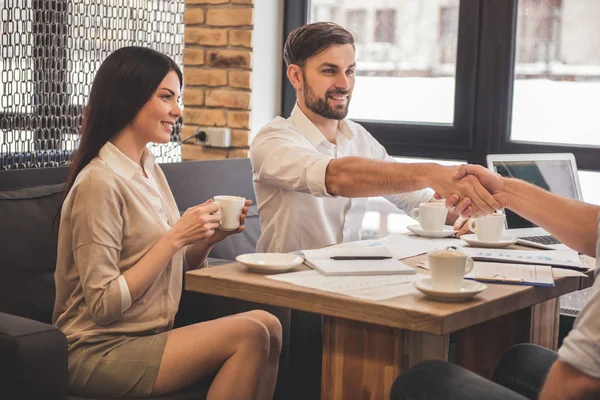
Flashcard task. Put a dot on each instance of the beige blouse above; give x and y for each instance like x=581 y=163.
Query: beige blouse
x=107 y=225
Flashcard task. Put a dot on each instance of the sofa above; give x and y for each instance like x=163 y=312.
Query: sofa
x=33 y=353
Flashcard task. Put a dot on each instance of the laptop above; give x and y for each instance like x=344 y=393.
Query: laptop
x=555 y=172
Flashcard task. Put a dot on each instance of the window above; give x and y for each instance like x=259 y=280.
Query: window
x=557 y=73
x=448 y=34
x=385 y=26
x=400 y=59
x=323 y=13
x=538 y=31
x=356 y=20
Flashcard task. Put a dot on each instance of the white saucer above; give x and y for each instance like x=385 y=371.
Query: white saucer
x=417 y=230
x=468 y=289
x=504 y=241
x=270 y=263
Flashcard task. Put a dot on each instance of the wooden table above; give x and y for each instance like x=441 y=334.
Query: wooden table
x=367 y=344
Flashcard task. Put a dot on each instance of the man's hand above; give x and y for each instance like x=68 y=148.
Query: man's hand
x=461 y=224
x=457 y=210
x=490 y=180
x=460 y=208
x=449 y=180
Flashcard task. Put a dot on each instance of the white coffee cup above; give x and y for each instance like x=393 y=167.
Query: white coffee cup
x=488 y=228
x=448 y=267
x=431 y=216
x=231 y=211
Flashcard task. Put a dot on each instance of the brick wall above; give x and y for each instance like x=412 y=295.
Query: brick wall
x=217 y=69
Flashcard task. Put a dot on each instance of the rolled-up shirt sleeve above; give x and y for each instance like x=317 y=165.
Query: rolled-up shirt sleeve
x=581 y=348
x=97 y=231
x=125 y=294
x=290 y=165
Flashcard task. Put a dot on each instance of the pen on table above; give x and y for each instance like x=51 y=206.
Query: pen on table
x=360 y=257
x=498 y=280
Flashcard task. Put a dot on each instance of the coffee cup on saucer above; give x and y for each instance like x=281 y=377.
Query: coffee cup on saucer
x=488 y=228
x=431 y=216
x=448 y=267
x=447 y=283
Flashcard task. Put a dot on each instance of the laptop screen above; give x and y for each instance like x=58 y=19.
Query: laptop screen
x=555 y=176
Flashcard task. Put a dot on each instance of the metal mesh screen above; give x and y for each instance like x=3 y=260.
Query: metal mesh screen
x=50 y=51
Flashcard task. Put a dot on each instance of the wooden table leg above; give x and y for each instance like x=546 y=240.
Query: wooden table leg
x=361 y=360
x=480 y=347
x=545 y=320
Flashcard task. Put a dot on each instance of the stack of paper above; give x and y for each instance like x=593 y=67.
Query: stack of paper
x=354 y=261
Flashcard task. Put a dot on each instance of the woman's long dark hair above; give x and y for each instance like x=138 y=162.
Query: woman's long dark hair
x=123 y=85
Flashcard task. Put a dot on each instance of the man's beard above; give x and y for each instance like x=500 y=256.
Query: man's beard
x=321 y=106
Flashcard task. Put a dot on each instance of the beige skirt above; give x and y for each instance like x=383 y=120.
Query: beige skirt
x=115 y=365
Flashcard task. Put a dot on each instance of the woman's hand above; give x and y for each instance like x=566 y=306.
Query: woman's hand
x=197 y=223
x=220 y=235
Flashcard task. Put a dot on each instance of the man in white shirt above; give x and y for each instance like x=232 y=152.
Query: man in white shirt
x=529 y=370
x=313 y=172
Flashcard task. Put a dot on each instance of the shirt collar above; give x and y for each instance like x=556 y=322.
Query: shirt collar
x=123 y=165
x=310 y=130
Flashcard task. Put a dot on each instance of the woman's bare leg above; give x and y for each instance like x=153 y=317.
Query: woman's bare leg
x=238 y=346
x=269 y=380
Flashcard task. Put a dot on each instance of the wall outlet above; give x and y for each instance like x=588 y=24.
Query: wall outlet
x=213 y=137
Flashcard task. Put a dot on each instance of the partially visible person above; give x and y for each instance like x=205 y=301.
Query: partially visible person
x=123 y=248
x=528 y=370
x=313 y=172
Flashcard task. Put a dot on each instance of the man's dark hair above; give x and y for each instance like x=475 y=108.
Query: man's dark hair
x=312 y=39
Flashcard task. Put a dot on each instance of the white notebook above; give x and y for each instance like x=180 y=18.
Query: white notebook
x=321 y=261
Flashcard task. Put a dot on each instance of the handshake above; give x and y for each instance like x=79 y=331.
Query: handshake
x=470 y=190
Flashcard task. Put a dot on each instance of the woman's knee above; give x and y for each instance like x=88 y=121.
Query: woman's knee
x=275 y=331
x=254 y=333
x=272 y=324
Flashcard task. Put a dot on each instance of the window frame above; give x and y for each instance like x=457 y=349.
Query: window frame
x=483 y=94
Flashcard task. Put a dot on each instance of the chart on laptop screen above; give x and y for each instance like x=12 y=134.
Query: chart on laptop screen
x=555 y=176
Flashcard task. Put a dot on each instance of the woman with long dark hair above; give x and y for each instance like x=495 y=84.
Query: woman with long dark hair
x=123 y=247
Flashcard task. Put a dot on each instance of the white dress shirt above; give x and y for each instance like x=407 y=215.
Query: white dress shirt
x=127 y=168
x=289 y=160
